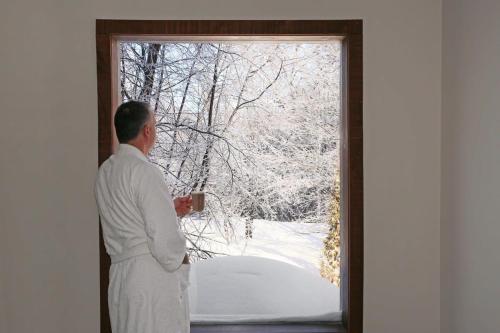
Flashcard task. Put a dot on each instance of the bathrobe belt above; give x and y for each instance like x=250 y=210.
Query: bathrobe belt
x=138 y=250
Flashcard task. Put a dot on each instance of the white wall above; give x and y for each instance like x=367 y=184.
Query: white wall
x=49 y=249
x=470 y=232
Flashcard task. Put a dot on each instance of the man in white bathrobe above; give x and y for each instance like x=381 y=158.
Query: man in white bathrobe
x=149 y=274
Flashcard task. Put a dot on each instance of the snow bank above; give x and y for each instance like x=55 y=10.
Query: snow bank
x=251 y=289
x=295 y=243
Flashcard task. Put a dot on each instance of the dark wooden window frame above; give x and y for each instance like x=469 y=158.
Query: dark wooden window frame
x=109 y=32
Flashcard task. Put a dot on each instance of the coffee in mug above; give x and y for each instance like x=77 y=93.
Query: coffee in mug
x=198 y=201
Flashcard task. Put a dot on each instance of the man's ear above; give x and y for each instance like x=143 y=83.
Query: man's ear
x=147 y=131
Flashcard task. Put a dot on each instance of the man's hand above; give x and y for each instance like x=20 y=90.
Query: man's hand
x=183 y=205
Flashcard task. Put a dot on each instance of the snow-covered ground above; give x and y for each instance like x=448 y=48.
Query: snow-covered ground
x=246 y=289
x=273 y=276
x=295 y=243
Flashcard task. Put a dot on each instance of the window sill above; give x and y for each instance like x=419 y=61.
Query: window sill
x=268 y=328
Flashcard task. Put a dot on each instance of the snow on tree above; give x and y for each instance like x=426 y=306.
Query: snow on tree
x=254 y=125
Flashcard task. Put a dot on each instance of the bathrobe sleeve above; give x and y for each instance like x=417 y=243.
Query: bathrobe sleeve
x=166 y=241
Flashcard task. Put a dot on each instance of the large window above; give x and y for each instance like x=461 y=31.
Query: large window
x=268 y=124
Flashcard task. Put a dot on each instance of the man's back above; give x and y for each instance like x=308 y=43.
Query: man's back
x=146 y=246
x=116 y=193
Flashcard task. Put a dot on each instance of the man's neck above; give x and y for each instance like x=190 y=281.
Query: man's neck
x=139 y=145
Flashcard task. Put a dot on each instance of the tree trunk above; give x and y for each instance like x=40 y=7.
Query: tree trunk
x=149 y=69
x=205 y=163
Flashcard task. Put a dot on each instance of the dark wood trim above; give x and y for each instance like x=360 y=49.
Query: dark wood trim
x=352 y=240
x=228 y=28
x=268 y=328
x=105 y=141
x=109 y=31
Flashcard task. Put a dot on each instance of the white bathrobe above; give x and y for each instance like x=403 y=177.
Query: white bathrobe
x=148 y=283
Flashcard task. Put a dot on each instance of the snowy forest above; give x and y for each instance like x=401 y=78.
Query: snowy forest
x=256 y=126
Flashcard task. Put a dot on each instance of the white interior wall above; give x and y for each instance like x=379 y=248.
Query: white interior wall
x=48 y=240
x=470 y=231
